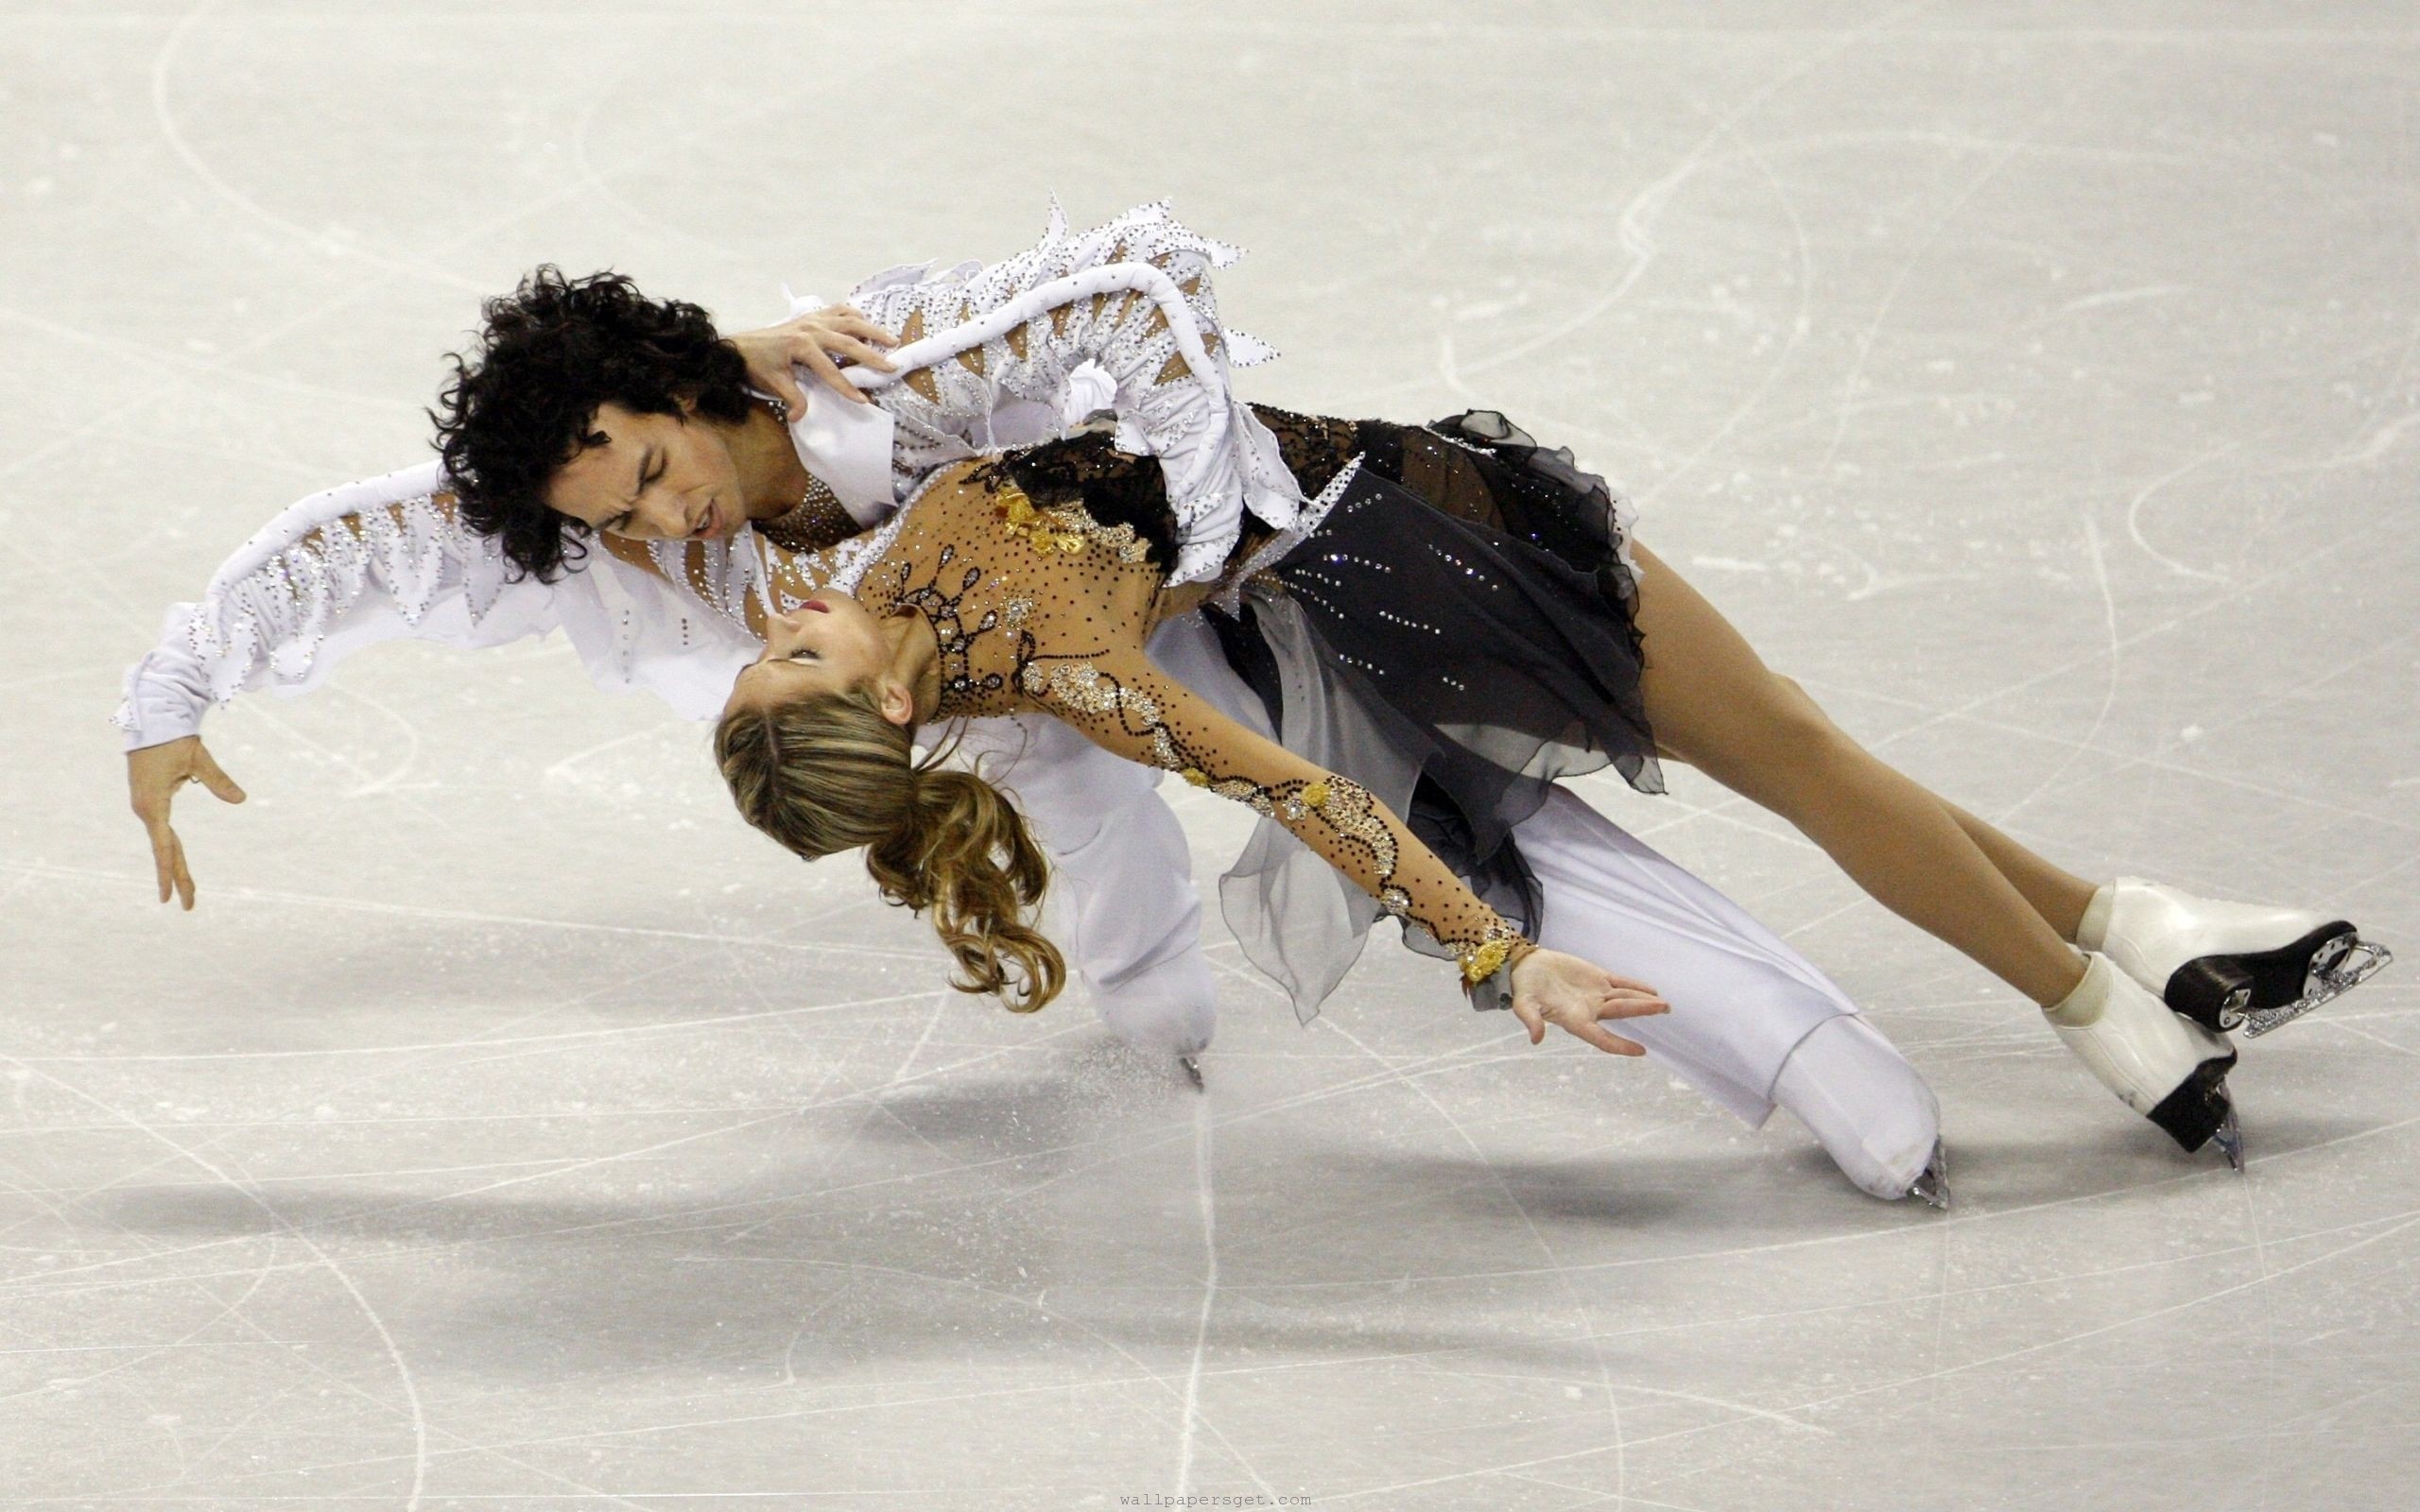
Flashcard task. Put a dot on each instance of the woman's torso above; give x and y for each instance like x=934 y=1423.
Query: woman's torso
x=1004 y=577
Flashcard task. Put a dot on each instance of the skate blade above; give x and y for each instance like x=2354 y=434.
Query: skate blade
x=1933 y=1185
x=2228 y=1137
x=1192 y=1066
x=2330 y=977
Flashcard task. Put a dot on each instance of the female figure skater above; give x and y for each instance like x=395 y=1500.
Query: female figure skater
x=1452 y=620
x=1478 y=668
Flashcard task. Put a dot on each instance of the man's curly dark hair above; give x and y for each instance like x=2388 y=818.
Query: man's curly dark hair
x=549 y=354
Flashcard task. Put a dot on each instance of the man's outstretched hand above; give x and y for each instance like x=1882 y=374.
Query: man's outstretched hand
x=153 y=775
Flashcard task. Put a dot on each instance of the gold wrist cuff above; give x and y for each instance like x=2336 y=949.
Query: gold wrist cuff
x=1484 y=961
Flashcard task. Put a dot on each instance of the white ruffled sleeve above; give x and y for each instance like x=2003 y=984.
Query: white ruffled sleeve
x=380 y=559
x=1120 y=317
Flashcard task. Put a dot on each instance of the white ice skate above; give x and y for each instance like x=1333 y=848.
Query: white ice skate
x=2229 y=965
x=2161 y=1065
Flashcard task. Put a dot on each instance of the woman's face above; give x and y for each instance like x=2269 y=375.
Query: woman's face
x=657 y=477
x=827 y=644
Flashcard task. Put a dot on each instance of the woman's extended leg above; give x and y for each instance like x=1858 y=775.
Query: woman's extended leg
x=2059 y=896
x=1716 y=705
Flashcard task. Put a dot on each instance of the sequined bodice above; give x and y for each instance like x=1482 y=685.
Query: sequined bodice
x=1003 y=580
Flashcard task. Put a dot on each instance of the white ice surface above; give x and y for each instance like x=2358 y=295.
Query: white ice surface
x=509 y=1128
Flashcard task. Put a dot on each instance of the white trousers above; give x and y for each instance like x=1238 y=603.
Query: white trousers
x=1754 y=1025
x=1122 y=906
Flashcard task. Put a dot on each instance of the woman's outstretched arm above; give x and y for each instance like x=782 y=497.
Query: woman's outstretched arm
x=1120 y=701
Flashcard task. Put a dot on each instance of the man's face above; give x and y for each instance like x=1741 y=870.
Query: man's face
x=658 y=477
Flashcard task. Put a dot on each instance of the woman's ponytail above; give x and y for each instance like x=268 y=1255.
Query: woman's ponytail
x=961 y=854
x=828 y=772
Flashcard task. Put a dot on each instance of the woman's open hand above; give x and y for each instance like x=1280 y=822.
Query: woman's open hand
x=1551 y=988
x=153 y=775
x=816 y=341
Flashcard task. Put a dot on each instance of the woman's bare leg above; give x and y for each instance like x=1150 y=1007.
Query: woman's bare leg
x=2059 y=896
x=1714 y=703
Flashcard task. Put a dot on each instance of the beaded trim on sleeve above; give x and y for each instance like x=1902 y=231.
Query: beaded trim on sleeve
x=1346 y=807
x=1132 y=298
x=276 y=610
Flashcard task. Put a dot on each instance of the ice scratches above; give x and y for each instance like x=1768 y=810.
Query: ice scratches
x=417 y=1418
x=123 y=879
x=2113 y=644
x=1205 y=1206
x=1965 y=1218
x=1462 y=1059
x=1975 y=182
x=2135 y=519
x=1143 y=1373
x=2376 y=444
x=1561 y=1275
x=2075 y=748
x=668 y=1216
x=2107 y=298
x=326 y=243
x=2398 y=1224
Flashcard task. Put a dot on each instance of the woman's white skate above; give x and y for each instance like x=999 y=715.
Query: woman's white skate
x=2234 y=966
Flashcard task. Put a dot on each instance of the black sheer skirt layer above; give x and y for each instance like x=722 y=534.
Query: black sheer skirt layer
x=1464 y=592
x=1472 y=582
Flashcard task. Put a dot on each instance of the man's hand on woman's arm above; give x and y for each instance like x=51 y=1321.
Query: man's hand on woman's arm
x=153 y=774
x=817 y=341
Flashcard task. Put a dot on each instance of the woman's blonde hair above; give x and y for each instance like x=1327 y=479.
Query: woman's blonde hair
x=827 y=771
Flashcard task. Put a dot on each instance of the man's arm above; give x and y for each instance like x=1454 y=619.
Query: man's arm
x=348 y=567
x=1120 y=317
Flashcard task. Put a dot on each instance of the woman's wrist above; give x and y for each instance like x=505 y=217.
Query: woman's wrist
x=1503 y=946
x=1488 y=968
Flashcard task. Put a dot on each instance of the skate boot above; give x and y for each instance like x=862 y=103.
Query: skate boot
x=2161 y=1065
x=2226 y=964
